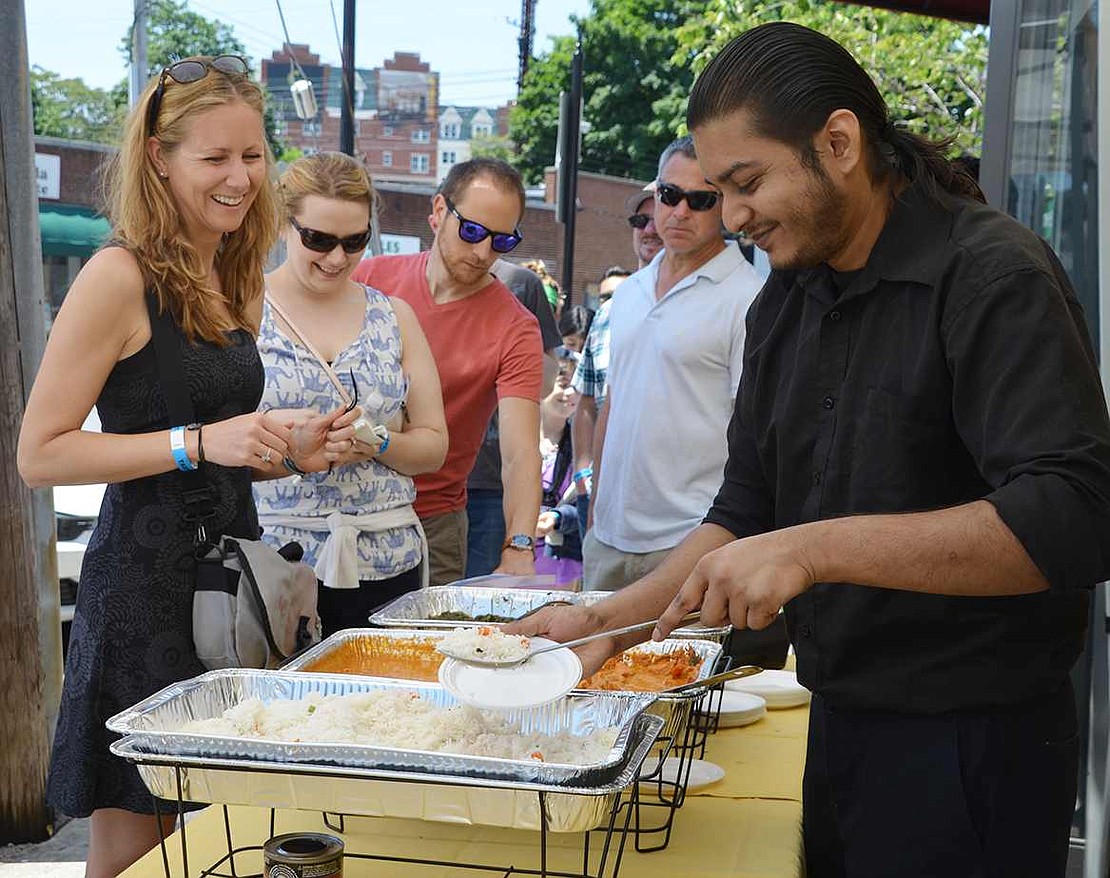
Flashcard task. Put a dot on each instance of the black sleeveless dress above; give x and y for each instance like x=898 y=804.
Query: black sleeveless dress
x=132 y=629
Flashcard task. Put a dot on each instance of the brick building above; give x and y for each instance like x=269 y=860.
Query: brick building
x=395 y=109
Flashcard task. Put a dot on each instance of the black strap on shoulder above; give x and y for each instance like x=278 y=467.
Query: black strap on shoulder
x=197 y=494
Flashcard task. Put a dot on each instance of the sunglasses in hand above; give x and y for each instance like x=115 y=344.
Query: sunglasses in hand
x=325 y=242
x=698 y=199
x=474 y=233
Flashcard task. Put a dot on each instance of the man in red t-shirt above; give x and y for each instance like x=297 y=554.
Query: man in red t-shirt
x=488 y=351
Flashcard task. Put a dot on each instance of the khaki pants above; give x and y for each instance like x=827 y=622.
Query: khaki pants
x=446 y=546
x=607 y=569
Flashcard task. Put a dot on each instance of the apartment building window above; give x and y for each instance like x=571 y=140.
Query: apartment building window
x=450 y=131
x=449 y=157
x=312 y=127
x=421 y=135
x=387 y=131
x=482 y=130
x=387 y=158
x=418 y=163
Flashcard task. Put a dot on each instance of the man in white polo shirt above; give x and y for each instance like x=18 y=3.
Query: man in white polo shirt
x=677 y=336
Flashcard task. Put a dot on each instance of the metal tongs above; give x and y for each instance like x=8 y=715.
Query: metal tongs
x=512 y=663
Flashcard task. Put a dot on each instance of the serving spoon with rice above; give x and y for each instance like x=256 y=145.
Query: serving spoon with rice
x=470 y=657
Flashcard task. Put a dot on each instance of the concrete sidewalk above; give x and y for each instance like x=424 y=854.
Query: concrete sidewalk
x=62 y=856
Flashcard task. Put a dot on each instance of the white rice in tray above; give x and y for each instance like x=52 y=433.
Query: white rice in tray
x=400 y=719
x=483 y=643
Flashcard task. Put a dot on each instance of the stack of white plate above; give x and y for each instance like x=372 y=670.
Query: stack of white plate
x=740 y=709
x=776 y=688
x=702 y=772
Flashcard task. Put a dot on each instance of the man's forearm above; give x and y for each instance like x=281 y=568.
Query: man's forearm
x=582 y=432
x=521 y=480
x=964 y=550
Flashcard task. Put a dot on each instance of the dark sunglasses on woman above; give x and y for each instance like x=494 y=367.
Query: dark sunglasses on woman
x=475 y=233
x=324 y=242
x=193 y=70
x=698 y=199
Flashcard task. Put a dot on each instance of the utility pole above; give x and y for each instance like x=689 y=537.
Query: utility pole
x=570 y=144
x=524 y=42
x=30 y=648
x=138 y=51
x=347 y=114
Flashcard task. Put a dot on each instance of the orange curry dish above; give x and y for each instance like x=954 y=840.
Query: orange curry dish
x=642 y=671
x=382 y=657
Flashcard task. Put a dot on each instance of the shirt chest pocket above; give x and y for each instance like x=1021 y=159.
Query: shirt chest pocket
x=897 y=452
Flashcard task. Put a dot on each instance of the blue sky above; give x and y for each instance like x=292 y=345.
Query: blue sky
x=474 y=51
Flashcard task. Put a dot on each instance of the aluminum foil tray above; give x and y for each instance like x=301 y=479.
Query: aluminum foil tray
x=154 y=722
x=368 y=643
x=416 y=608
x=675 y=708
x=385 y=793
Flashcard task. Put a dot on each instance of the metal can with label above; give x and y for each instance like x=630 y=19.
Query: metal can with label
x=303 y=855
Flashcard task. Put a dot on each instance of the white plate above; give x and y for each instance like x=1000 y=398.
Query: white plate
x=777 y=688
x=741 y=709
x=702 y=773
x=539 y=680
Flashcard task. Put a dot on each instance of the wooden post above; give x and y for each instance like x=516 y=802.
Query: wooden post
x=30 y=627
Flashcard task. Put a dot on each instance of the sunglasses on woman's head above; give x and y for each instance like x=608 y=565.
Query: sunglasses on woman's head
x=640 y=220
x=698 y=199
x=184 y=72
x=324 y=242
x=475 y=233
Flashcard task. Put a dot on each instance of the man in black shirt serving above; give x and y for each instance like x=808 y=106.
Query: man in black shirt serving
x=918 y=471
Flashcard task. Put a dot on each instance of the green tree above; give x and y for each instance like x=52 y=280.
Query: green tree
x=637 y=76
x=493 y=147
x=641 y=57
x=930 y=71
x=174 y=31
x=71 y=109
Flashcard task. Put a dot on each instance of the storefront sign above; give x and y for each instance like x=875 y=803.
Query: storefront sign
x=395 y=245
x=48 y=174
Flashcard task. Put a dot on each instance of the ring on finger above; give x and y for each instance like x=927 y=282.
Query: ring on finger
x=266 y=455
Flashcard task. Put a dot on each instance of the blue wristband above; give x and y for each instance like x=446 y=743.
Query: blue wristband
x=584 y=473
x=177 y=447
x=382 y=447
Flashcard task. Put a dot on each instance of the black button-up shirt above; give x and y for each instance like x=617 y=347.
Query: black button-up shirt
x=955 y=366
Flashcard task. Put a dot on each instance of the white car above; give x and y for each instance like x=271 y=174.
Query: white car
x=76 y=508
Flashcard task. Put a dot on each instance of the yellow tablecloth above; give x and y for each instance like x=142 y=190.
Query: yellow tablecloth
x=747 y=825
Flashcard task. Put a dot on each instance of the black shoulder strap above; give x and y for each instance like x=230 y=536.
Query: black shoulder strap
x=197 y=494
x=171 y=369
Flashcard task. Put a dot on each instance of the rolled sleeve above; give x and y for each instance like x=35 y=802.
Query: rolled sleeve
x=743 y=505
x=1028 y=403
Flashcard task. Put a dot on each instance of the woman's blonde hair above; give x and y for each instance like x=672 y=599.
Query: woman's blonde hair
x=329 y=175
x=146 y=220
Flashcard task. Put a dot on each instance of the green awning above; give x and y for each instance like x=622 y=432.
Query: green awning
x=70 y=230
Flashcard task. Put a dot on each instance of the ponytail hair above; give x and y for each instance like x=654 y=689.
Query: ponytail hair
x=790 y=79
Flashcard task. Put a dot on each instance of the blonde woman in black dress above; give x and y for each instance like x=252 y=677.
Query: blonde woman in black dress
x=194 y=215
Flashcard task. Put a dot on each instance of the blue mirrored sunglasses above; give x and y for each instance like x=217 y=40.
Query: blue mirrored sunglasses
x=475 y=233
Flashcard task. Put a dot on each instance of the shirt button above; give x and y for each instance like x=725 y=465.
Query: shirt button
x=834 y=316
x=828 y=403
x=817 y=478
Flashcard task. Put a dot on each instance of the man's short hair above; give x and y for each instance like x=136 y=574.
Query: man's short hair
x=683 y=146
x=461 y=175
x=616 y=271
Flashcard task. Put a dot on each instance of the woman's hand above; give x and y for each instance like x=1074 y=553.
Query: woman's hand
x=340 y=445
x=257 y=439
x=548 y=521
